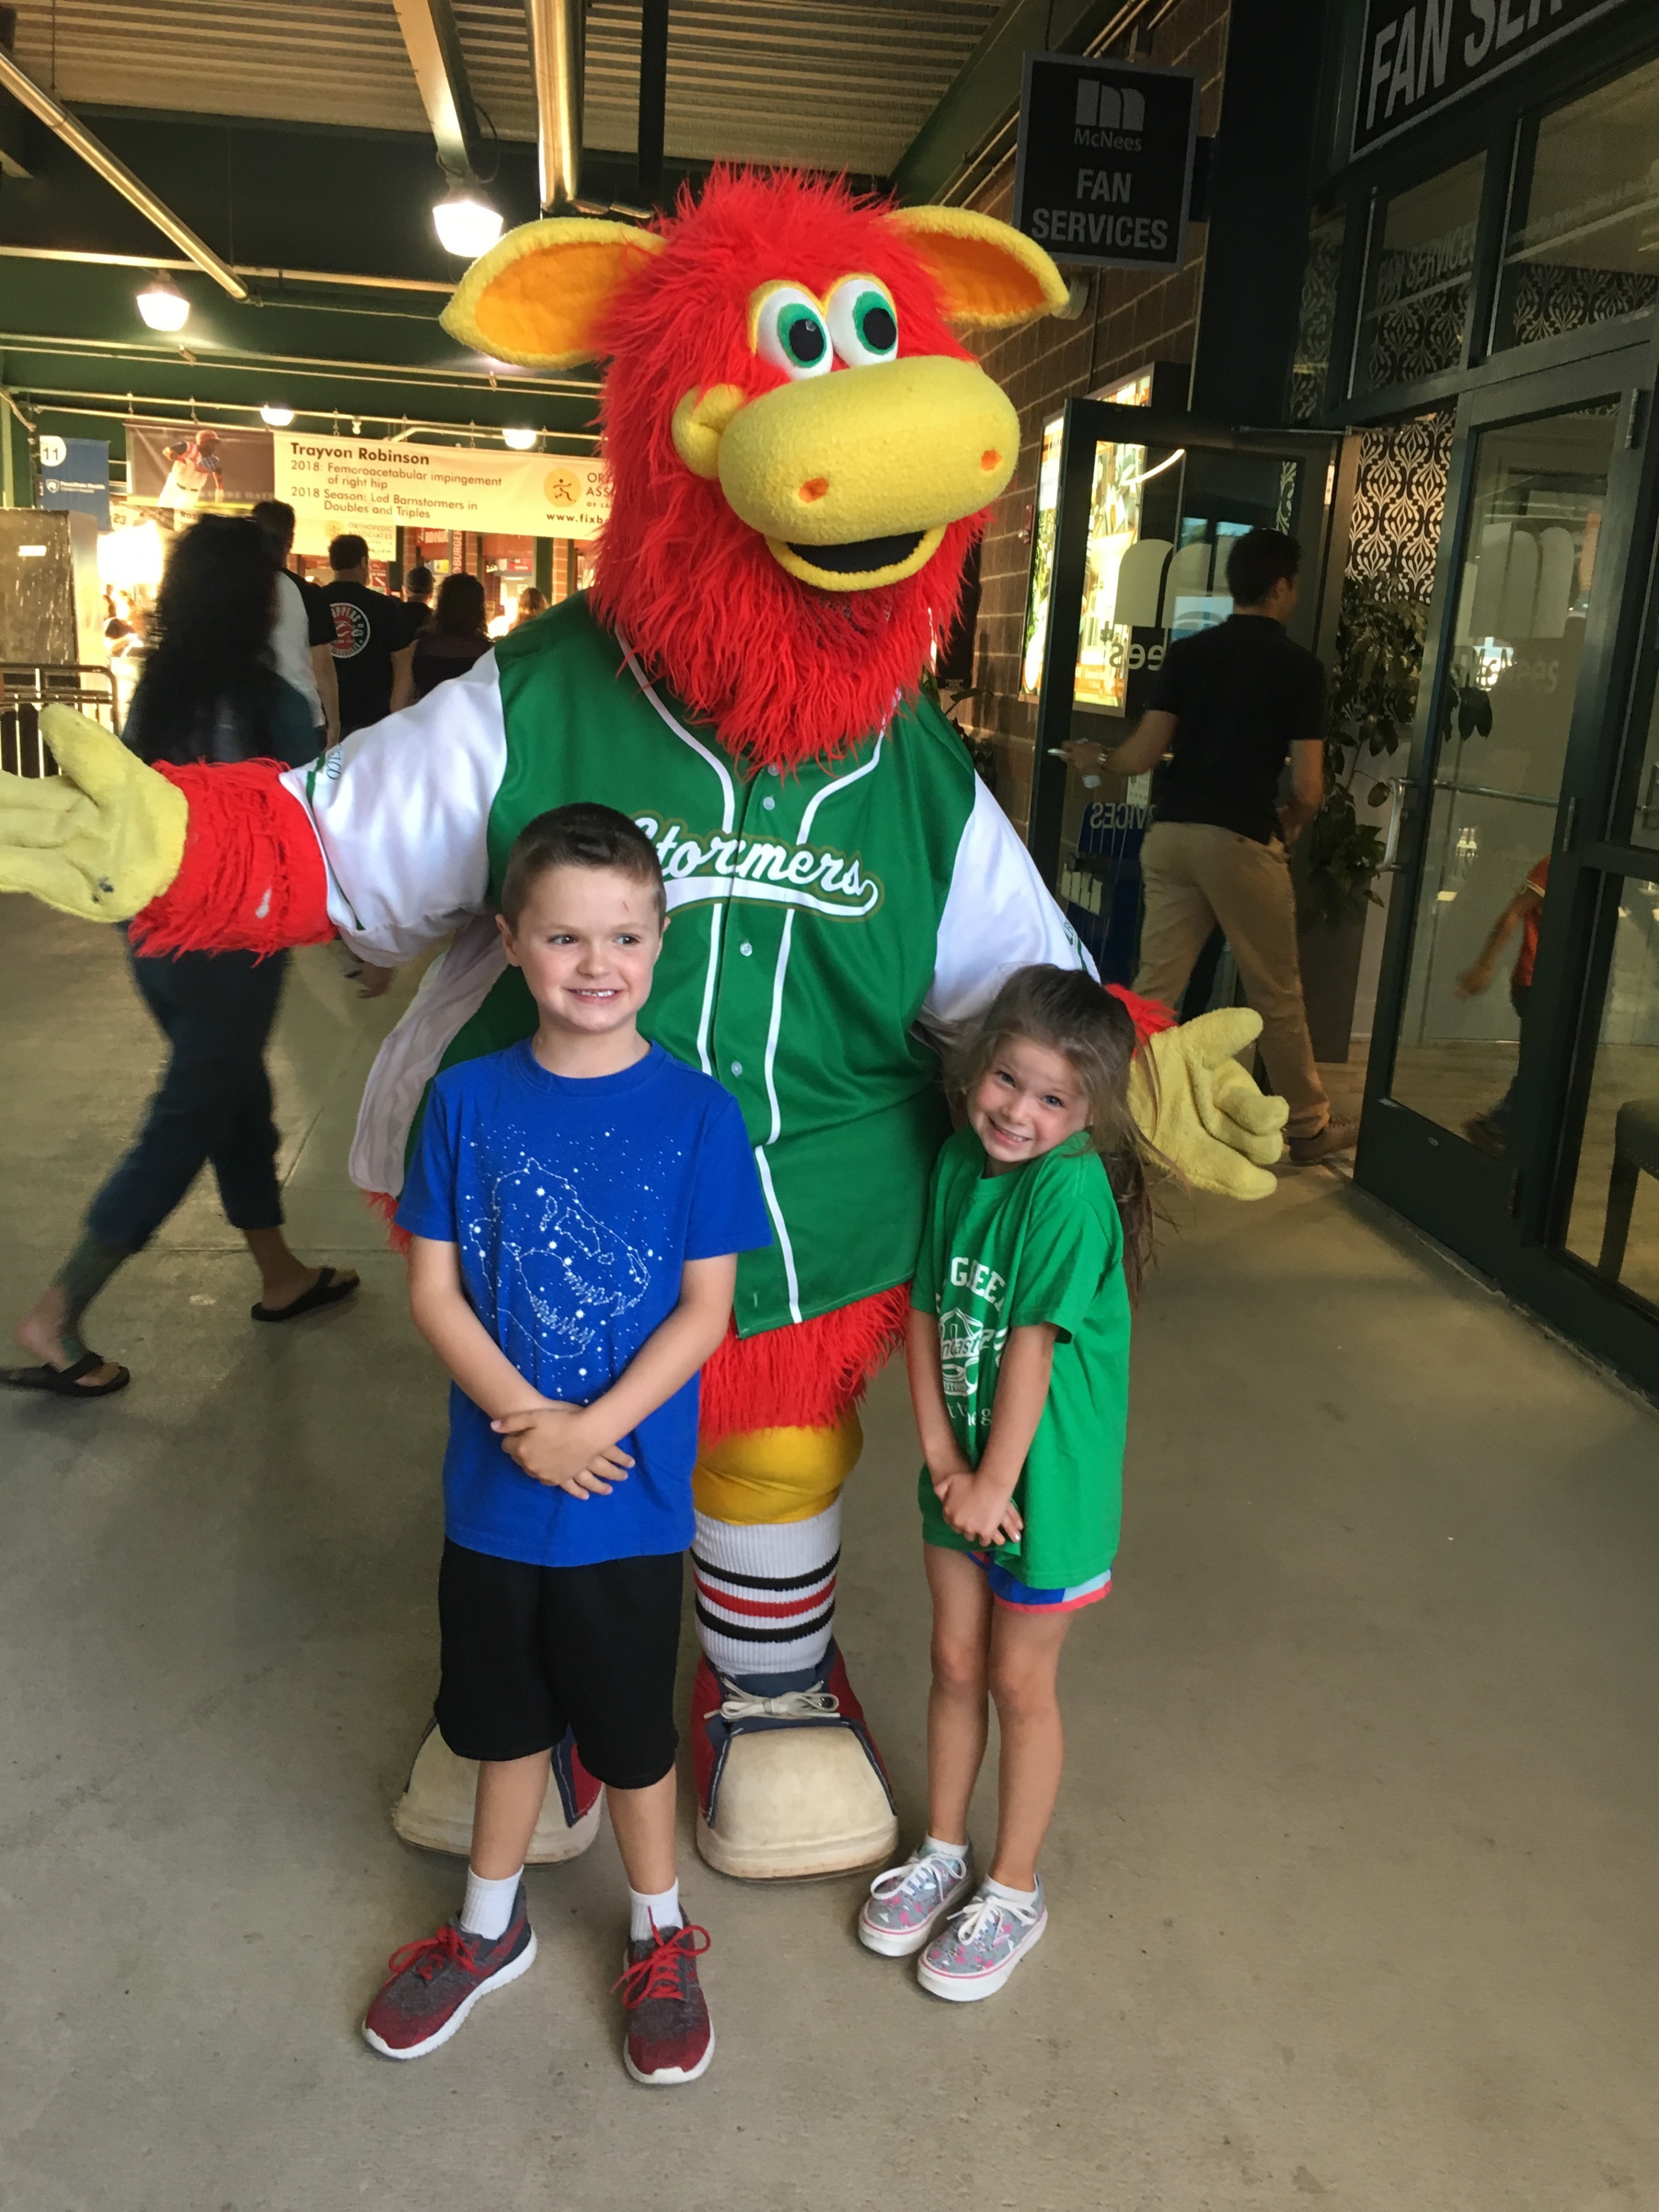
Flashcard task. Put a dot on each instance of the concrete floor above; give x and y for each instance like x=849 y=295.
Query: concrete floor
x=1352 y=1878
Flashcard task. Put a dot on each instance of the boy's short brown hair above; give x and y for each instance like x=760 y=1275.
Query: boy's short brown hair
x=583 y=836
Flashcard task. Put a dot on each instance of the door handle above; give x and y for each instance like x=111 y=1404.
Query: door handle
x=1398 y=786
x=1651 y=799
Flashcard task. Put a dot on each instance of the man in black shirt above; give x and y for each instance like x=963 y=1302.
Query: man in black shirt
x=1229 y=705
x=374 y=639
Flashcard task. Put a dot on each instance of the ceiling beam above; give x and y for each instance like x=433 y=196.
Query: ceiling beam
x=434 y=46
x=985 y=92
x=98 y=158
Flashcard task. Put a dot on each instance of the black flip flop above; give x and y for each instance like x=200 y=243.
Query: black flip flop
x=324 y=1292
x=65 y=1381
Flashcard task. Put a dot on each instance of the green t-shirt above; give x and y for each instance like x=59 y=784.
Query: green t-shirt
x=1040 y=1244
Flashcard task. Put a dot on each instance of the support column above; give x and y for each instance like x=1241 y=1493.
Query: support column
x=544 y=576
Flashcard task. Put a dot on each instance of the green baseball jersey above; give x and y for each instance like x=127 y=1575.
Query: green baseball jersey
x=822 y=922
x=1042 y=1242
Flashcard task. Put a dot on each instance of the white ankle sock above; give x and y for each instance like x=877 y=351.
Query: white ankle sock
x=645 y=1912
x=1009 y=1896
x=933 y=1849
x=488 y=1904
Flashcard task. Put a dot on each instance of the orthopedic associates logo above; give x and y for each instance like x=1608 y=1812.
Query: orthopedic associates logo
x=816 y=877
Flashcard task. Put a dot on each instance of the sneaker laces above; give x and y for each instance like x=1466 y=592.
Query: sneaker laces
x=926 y=1866
x=451 y=1946
x=788 y=1705
x=662 y=1972
x=977 y=1921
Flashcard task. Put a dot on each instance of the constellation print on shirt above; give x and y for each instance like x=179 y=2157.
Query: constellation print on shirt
x=577 y=1274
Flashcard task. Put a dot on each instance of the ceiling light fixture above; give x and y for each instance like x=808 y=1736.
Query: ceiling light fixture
x=520 y=440
x=162 y=305
x=276 y=414
x=466 y=224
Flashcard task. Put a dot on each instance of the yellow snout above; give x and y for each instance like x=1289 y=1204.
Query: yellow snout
x=850 y=478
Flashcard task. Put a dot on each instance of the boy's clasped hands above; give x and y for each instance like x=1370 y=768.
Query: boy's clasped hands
x=554 y=1442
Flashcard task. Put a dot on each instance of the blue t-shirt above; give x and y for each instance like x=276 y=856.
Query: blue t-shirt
x=575 y=1202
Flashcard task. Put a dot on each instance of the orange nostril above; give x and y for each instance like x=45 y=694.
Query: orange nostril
x=814 y=488
x=990 y=459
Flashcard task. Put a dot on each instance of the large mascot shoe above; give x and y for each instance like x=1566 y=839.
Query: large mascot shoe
x=435 y=1810
x=789 y=1782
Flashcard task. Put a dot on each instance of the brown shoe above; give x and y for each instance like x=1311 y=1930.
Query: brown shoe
x=1336 y=1136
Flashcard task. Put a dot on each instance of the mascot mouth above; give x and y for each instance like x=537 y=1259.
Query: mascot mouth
x=859 y=564
x=862 y=556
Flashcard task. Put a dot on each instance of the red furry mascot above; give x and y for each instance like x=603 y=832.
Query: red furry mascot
x=801 y=453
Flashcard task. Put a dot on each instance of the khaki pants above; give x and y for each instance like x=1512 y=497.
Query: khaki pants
x=1197 y=875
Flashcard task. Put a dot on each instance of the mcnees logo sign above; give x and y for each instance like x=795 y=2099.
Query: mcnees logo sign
x=1105 y=164
x=1416 y=58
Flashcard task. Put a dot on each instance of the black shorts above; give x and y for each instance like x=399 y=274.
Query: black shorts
x=528 y=1652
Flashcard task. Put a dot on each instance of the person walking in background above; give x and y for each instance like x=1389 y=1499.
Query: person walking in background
x=531 y=602
x=1229 y=705
x=1490 y=1131
x=302 y=634
x=373 y=639
x=417 y=591
x=455 y=638
x=207 y=694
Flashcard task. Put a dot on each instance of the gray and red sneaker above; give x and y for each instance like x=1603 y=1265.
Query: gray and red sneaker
x=435 y=1982
x=669 y=2038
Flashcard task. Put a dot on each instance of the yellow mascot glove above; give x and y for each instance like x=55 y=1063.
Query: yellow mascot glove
x=100 y=840
x=1202 y=1112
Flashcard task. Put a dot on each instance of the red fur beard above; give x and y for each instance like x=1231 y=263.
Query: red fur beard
x=786 y=673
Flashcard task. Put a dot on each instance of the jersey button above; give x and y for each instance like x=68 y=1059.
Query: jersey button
x=736 y=1067
x=745 y=949
x=769 y=802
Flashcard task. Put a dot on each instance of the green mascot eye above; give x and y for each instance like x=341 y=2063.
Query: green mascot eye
x=862 y=324
x=790 y=333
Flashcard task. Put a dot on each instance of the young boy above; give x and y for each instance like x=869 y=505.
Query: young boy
x=576 y=1205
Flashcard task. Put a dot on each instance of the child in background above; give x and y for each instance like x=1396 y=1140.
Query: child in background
x=576 y=1205
x=1490 y=1132
x=1038 y=1229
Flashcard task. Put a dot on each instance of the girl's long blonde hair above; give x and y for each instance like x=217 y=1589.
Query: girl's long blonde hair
x=1066 y=1011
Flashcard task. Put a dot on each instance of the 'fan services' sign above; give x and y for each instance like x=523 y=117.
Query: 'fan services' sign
x=1104 y=170
x=1419 y=55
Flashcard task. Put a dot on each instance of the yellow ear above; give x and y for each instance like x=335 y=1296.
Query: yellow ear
x=991 y=276
x=539 y=295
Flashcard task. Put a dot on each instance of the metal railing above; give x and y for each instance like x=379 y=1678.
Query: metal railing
x=29 y=686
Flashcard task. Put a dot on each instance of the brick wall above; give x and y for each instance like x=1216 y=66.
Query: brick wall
x=1130 y=322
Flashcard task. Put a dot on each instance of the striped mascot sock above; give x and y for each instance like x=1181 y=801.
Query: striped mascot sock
x=766 y=1595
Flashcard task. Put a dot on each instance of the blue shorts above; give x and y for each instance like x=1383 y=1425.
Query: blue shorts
x=1007 y=1589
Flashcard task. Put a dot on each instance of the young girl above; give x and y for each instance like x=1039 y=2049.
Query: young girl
x=1038 y=1228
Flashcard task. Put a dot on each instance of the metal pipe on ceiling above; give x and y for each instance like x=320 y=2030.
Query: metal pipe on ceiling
x=98 y=157
x=654 y=99
x=239 y=267
x=125 y=408
x=433 y=44
x=555 y=62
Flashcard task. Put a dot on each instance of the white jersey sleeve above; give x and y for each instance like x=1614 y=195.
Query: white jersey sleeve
x=401 y=810
x=999 y=915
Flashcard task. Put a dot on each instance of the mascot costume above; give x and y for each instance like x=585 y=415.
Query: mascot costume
x=802 y=453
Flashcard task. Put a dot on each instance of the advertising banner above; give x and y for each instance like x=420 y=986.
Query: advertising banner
x=1104 y=170
x=335 y=484
x=186 y=466
x=74 y=476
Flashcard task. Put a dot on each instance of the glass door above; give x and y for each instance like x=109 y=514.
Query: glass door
x=1521 y=600
x=1136 y=510
x=1516 y=999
